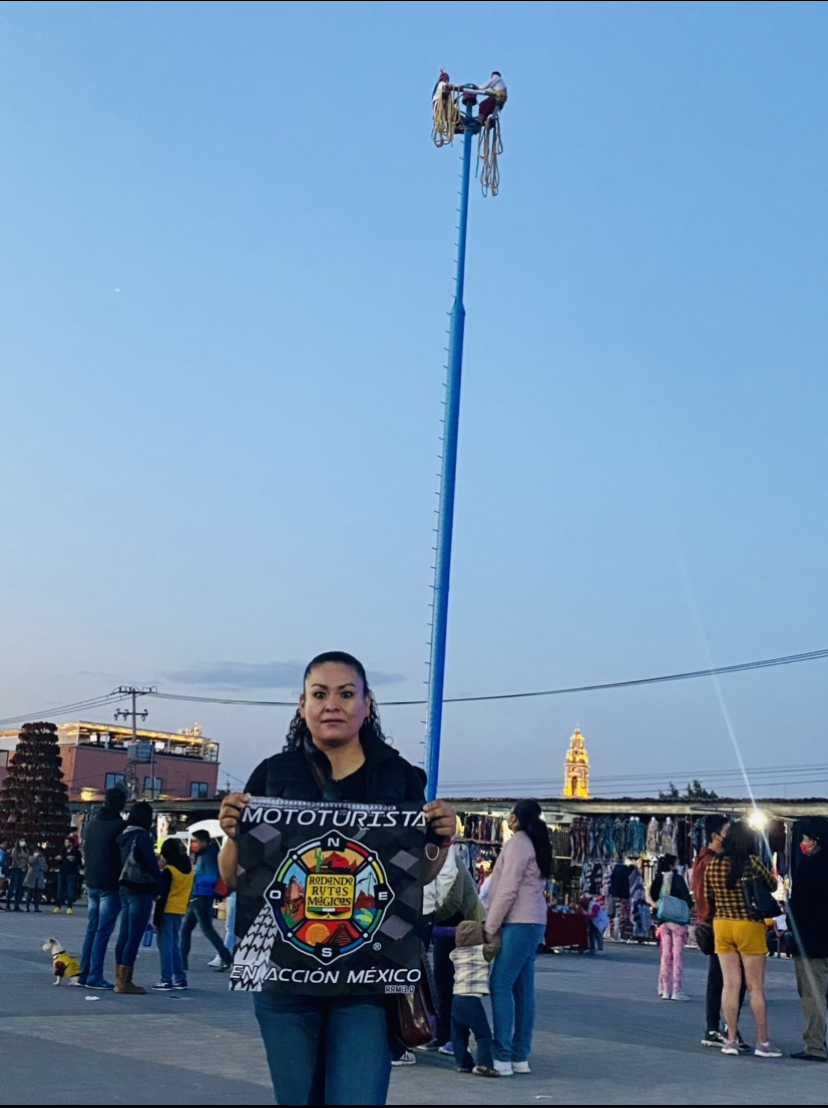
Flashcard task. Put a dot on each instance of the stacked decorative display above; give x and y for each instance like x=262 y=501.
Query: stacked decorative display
x=33 y=800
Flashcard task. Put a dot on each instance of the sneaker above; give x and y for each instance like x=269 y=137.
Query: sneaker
x=804 y=1056
x=504 y=1069
x=56 y=912
x=714 y=1038
x=680 y=996
x=730 y=1048
x=465 y=1069
x=180 y=985
x=520 y=1067
x=162 y=987
x=743 y=1046
x=765 y=1050
x=223 y=967
x=69 y=912
x=426 y=1048
x=664 y=996
x=446 y=1048
x=216 y=962
x=102 y=985
x=407 y=1059
x=484 y=1071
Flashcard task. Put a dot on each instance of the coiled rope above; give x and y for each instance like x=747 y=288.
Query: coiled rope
x=446 y=115
x=489 y=147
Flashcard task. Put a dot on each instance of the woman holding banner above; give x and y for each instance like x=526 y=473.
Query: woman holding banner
x=333 y=1049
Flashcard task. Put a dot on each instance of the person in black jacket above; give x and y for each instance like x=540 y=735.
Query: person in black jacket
x=69 y=864
x=139 y=883
x=333 y=1050
x=808 y=914
x=102 y=865
x=669 y=882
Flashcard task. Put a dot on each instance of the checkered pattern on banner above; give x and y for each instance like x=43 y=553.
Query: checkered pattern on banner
x=376 y=949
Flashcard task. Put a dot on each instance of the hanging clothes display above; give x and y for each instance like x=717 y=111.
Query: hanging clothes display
x=640 y=910
x=620 y=882
x=699 y=836
x=653 y=836
x=636 y=839
x=579 y=840
x=619 y=838
x=667 y=843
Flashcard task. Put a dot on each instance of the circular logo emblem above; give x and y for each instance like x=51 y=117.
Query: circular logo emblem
x=329 y=897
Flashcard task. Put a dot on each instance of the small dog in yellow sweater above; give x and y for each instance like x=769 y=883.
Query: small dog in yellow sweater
x=65 y=965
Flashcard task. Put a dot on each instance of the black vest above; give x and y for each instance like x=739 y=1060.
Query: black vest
x=390 y=779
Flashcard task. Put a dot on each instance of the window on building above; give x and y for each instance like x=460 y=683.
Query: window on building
x=198 y=790
x=115 y=779
x=148 y=788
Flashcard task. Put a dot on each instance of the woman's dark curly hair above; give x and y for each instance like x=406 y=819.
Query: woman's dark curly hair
x=298 y=730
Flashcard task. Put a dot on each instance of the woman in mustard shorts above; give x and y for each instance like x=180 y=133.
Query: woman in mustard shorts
x=739 y=938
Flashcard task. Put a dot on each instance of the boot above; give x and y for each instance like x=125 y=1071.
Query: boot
x=123 y=982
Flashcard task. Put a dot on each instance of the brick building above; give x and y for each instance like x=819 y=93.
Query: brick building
x=97 y=756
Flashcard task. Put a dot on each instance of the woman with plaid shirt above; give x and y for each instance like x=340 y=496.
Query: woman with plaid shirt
x=739 y=939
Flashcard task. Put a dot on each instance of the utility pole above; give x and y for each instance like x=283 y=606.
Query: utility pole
x=133 y=714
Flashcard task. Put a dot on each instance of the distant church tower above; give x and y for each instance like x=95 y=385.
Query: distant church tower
x=576 y=768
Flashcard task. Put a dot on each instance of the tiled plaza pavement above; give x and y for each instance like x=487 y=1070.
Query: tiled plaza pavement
x=603 y=1037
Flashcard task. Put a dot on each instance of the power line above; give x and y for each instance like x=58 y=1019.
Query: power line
x=65 y=709
x=227 y=700
x=644 y=779
x=742 y=667
x=766 y=663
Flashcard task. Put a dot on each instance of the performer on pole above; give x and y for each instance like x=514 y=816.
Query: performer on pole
x=496 y=87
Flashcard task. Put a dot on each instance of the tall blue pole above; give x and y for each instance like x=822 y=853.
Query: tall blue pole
x=445 y=521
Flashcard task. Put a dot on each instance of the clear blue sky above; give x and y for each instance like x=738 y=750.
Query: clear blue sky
x=226 y=263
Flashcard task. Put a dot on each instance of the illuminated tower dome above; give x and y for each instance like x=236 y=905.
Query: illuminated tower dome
x=576 y=768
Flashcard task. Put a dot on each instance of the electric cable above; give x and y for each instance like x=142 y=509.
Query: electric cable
x=65 y=709
x=742 y=667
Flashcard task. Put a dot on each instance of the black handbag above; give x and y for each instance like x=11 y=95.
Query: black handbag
x=412 y=1016
x=704 y=938
x=761 y=904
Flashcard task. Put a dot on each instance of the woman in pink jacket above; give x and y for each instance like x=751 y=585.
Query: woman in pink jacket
x=517 y=909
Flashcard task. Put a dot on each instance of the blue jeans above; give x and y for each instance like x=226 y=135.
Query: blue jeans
x=137 y=908
x=596 y=937
x=200 y=911
x=512 y=983
x=230 y=922
x=66 y=884
x=325 y=1050
x=104 y=908
x=169 y=949
x=468 y=1014
x=15 y=889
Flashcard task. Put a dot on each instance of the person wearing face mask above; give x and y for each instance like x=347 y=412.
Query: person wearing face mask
x=18 y=869
x=808 y=916
x=35 y=880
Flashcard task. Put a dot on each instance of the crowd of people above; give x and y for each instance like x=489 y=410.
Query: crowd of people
x=163 y=893
x=482 y=942
x=26 y=871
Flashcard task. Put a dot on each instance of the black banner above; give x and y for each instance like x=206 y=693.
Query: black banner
x=328 y=898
